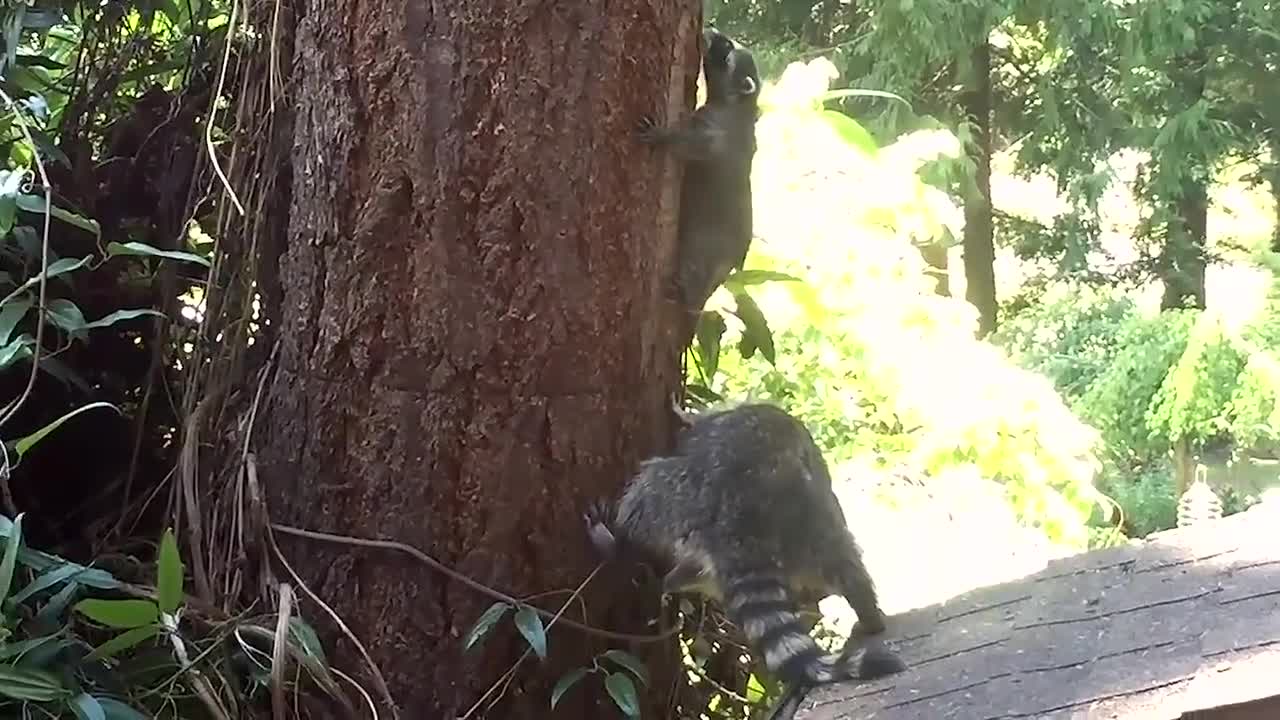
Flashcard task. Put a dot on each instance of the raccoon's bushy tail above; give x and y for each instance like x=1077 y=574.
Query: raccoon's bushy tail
x=877 y=661
x=758 y=600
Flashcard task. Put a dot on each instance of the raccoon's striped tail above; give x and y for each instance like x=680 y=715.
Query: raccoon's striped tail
x=876 y=661
x=758 y=600
x=760 y=603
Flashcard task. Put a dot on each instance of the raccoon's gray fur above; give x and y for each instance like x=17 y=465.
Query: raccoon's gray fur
x=745 y=514
x=717 y=144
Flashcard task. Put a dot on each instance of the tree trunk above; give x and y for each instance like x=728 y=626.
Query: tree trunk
x=979 y=230
x=819 y=28
x=1183 y=263
x=1275 y=188
x=474 y=342
x=1183 y=466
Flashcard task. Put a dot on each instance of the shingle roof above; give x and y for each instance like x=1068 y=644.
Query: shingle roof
x=1187 y=619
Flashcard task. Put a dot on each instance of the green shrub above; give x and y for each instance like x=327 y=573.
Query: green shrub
x=862 y=349
x=1147 y=379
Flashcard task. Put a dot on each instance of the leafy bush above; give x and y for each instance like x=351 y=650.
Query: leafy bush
x=1146 y=499
x=866 y=353
x=144 y=663
x=1147 y=379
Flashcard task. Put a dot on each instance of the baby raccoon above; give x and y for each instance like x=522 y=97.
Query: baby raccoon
x=744 y=512
x=717 y=145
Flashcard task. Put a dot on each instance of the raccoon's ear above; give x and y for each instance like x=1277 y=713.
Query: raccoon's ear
x=748 y=86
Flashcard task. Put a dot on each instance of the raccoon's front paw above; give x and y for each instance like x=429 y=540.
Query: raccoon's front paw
x=648 y=131
x=841 y=667
x=683 y=416
x=877 y=661
x=602 y=538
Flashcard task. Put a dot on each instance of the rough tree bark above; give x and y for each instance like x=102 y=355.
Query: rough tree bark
x=979 y=231
x=1183 y=266
x=1275 y=187
x=1182 y=263
x=474 y=340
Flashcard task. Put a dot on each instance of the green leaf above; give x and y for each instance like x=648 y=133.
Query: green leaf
x=47 y=63
x=124 y=641
x=855 y=92
x=13 y=32
x=87 y=707
x=169 y=573
x=755 y=332
x=24 y=444
x=530 y=626
x=35 y=204
x=116 y=710
x=12 y=543
x=755 y=691
x=629 y=662
x=484 y=624
x=137 y=248
x=61 y=266
x=34 y=685
x=623 y=692
x=10 y=181
x=565 y=682
x=120 y=614
x=11 y=313
x=64 y=314
x=120 y=316
x=47 y=580
x=41 y=561
x=46 y=656
x=19 y=349
x=710 y=331
x=743 y=278
x=851 y=131
x=22 y=647
x=28 y=241
x=52 y=612
x=306 y=638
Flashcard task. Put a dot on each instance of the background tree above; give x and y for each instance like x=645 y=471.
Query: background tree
x=942 y=64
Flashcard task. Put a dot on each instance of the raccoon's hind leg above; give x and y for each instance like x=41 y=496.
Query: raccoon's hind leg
x=854 y=583
x=857 y=587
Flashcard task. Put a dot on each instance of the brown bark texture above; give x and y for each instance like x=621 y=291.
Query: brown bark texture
x=1184 y=266
x=474 y=337
x=979 y=230
x=1183 y=263
x=1275 y=188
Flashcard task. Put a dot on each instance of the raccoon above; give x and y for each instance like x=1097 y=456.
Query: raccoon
x=718 y=145
x=744 y=513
